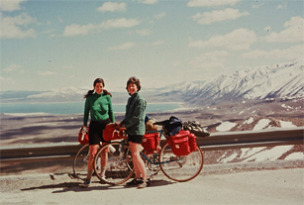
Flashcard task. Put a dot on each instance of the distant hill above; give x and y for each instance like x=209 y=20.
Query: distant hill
x=267 y=82
x=256 y=83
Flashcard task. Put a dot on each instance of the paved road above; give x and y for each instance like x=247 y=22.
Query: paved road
x=282 y=186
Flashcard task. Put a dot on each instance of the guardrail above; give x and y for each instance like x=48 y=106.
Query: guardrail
x=270 y=137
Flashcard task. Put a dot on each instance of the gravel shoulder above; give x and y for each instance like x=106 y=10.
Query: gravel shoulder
x=237 y=183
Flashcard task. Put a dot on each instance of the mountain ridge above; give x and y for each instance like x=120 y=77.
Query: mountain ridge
x=259 y=83
x=278 y=81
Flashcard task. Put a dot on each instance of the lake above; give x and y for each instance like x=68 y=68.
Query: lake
x=74 y=108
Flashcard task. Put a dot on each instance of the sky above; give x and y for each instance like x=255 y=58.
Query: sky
x=57 y=44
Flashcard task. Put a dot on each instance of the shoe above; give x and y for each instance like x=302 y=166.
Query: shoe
x=134 y=182
x=103 y=180
x=144 y=184
x=86 y=183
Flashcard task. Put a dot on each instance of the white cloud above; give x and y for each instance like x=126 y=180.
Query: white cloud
x=148 y=1
x=258 y=5
x=10 y=5
x=280 y=6
x=14 y=27
x=157 y=43
x=240 y=39
x=143 y=32
x=211 y=3
x=119 y=23
x=160 y=15
x=75 y=29
x=11 y=68
x=215 y=59
x=218 y=15
x=46 y=73
x=290 y=53
x=294 y=30
x=7 y=83
x=123 y=46
x=111 y=6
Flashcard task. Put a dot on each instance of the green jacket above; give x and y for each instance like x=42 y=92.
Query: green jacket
x=100 y=108
x=135 y=115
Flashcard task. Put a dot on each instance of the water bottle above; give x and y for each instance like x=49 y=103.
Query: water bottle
x=112 y=149
x=83 y=133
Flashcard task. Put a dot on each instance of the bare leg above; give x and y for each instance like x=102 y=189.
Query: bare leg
x=139 y=165
x=103 y=161
x=93 y=149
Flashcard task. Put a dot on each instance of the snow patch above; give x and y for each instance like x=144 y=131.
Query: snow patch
x=226 y=159
x=225 y=126
x=262 y=124
x=287 y=124
x=247 y=152
x=249 y=121
x=295 y=156
x=269 y=154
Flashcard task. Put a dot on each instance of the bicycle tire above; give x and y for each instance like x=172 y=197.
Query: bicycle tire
x=119 y=167
x=80 y=162
x=181 y=168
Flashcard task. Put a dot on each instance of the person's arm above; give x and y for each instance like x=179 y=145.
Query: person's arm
x=110 y=110
x=86 y=112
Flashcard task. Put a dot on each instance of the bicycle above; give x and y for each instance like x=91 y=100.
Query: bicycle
x=119 y=168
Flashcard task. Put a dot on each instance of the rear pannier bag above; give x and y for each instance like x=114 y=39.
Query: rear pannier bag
x=150 y=142
x=192 y=142
x=180 y=143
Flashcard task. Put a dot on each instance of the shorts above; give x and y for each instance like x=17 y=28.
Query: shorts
x=135 y=138
x=95 y=131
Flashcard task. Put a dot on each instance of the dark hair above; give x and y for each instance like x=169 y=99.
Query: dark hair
x=135 y=81
x=98 y=80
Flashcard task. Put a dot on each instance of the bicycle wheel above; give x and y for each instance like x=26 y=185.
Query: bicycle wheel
x=118 y=168
x=80 y=162
x=181 y=168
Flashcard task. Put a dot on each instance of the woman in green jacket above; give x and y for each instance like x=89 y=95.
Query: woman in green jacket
x=99 y=105
x=134 y=123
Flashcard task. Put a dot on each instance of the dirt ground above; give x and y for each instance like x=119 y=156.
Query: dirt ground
x=259 y=183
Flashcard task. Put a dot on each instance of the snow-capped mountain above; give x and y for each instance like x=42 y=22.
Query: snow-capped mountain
x=67 y=94
x=256 y=83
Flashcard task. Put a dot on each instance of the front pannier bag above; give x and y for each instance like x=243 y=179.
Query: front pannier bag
x=111 y=132
x=83 y=136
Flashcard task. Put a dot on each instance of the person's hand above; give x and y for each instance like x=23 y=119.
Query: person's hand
x=84 y=128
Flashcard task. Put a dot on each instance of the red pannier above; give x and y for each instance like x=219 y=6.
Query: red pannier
x=180 y=143
x=183 y=143
x=150 y=142
x=83 y=137
x=192 y=142
x=111 y=132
